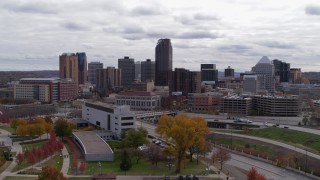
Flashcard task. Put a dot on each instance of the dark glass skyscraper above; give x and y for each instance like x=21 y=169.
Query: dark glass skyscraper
x=163 y=58
x=281 y=69
x=127 y=67
x=229 y=72
x=82 y=67
x=147 y=70
x=209 y=73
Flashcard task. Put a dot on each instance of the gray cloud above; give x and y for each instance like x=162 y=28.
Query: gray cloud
x=39 y=7
x=278 y=45
x=133 y=29
x=146 y=11
x=197 y=35
x=188 y=46
x=195 y=18
x=312 y=10
x=73 y=26
x=200 y=16
x=234 y=48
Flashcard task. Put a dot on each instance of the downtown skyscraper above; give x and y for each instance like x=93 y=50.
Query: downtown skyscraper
x=163 y=59
x=73 y=66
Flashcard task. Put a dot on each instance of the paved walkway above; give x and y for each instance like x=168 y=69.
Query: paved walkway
x=277 y=143
x=16 y=147
x=66 y=161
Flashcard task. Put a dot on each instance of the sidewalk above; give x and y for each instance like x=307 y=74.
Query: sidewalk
x=16 y=147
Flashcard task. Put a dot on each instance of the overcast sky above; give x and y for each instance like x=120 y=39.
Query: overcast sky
x=236 y=33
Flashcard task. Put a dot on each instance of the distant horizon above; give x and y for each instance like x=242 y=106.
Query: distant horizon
x=116 y=67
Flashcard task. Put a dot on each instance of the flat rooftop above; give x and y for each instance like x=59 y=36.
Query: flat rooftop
x=92 y=143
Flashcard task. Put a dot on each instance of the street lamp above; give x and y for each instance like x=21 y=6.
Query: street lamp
x=99 y=164
x=305 y=168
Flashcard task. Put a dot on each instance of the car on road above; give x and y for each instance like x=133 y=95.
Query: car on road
x=286 y=127
x=162 y=145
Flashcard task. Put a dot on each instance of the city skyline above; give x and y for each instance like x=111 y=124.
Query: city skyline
x=234 y=33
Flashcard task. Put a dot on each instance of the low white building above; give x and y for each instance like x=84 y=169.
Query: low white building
x=109 y=117
x=139 y=100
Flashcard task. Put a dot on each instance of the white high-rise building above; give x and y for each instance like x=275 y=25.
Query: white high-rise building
x=264 y=70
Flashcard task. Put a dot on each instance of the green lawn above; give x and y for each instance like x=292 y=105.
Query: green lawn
x=35 y=144
x=8 y=128
x=55 y=161
x=115 y=144
x=144 y=167
x=296 y=138
x=28 y=146
x=243 y=143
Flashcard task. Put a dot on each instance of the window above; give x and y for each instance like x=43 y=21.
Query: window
x=127 y=124
x=127 y=118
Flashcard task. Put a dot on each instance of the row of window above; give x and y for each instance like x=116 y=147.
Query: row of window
x=136 y=103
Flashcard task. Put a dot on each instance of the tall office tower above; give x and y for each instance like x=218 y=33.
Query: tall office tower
x=295 y=76
x=107 y=79
x=68 y=67
x=209 y=73
x=82 y=67
x=250 y=84
x=163 y=58
x=137 y=70
x=281 y=70
x=264 y=69
x=127 y=70
x=185 y=81
x=229 y=72
x=181 y=81
x=147 y=70
x=92 y=71
x=195 y=82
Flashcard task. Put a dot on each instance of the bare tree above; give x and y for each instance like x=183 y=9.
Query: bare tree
x=154 y=154
x=220 y=155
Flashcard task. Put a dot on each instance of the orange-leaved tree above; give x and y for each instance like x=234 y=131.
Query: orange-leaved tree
x=51 y=173
x=254 y=175
x=184 y=132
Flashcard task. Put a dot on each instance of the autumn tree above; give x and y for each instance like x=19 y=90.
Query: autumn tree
x=39 y=129
x=48 y=127
x=19 y=158
x=51 y=173
x=14 y=124
x=48 y=119
x=22 y=130
x=254 y=175
x=133 y=138
x=63 y=128
x=32 y=130
x=220 y=155
x=82 y=167
x=184 y=132
x=21 y=122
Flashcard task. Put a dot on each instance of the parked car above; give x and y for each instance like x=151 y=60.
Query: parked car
x=286 y=127
x=162 y=145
